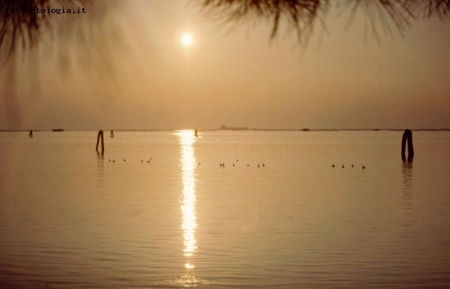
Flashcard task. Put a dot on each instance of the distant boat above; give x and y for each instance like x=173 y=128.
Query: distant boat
x=224 y=127
x=305 y=129
x=30 y=134
x=57 y=130
x=111 y=135
x=196 y=133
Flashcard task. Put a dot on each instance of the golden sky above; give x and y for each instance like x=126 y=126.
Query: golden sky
x=127 y=67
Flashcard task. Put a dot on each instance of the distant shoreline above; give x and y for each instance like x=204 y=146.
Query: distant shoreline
x=239 y=130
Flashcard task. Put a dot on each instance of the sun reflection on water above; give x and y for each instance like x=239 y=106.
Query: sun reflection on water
x=189 y=217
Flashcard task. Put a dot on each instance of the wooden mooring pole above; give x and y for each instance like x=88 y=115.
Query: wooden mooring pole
x=100 y=135
x=407 y=136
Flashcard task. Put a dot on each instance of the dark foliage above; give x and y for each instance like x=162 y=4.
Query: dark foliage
x=24 y=27
x=299 y=14
x=302 y=15
x=19 y=21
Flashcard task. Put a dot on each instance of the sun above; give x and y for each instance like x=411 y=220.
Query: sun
x=187 y=39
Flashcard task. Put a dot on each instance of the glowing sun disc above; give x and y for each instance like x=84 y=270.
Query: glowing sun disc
x=187 y=39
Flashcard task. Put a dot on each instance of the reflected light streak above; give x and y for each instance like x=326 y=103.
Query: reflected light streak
x=189 y=217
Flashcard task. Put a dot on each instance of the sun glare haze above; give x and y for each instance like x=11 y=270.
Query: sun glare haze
x=187 y=39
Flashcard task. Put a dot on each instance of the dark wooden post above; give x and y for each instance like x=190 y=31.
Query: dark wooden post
x=407 y=135
x=100 y=135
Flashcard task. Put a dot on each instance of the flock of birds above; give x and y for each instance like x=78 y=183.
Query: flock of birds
x=222 y=165
x=113 y=160
x=362 y=166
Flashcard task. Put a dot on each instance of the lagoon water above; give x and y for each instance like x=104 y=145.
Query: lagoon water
x=158 y=211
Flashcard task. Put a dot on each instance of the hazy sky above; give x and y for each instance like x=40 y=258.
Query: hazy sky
x=125 y=67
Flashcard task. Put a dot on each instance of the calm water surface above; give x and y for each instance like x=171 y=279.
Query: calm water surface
x=158 y=211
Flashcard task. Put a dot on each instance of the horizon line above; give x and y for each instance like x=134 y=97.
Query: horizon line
x=231 y=129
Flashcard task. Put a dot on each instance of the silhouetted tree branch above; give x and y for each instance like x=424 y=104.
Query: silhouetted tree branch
x=302 y=14
x=19 y=21
x=299 y=14
x=430 y=8
x=20 y=26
